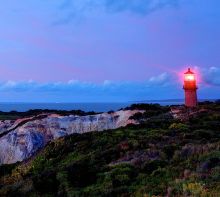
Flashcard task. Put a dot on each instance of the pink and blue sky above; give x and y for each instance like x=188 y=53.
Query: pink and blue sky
x=107 y=50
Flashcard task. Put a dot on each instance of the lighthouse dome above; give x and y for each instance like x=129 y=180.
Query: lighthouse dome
x=189 y=72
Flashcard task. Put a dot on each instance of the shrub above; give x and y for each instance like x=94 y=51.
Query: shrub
x=151 y=166
x=202 y=134
x=180 y=127
x=194 y=189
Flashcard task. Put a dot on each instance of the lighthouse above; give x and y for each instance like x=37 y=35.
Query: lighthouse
x=190 y=89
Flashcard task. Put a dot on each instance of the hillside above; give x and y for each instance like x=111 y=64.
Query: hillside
x=173 y=152
x=23 y=138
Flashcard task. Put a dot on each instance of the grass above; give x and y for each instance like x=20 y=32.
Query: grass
x=151 y=159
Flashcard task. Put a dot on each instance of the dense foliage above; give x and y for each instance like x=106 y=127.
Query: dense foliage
x=13 y=115
x=162 y=156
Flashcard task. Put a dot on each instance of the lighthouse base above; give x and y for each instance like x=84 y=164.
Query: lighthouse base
x=191 y=98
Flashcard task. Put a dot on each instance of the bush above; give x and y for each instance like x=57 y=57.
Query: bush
x=194 y=189
x=157 y=154
x=151 y=166
x=201 y=133
x=7 y=169
x=179 y=127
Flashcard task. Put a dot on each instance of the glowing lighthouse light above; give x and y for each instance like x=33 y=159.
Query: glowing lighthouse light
x=190 y=77
x=190 y=88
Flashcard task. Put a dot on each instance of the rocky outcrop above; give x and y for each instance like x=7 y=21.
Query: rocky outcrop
x=25 y=140
x=5 y=125
x=183 y=113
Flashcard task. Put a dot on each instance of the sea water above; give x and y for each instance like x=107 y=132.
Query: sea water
x=97 y=107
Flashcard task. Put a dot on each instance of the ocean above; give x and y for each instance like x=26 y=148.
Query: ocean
x=97 y=107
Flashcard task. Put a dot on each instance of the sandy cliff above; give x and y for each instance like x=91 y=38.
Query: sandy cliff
x=24 y=141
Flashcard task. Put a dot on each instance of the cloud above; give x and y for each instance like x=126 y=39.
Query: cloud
x=17 y=86
x=73 y=8
x=87 y=91
x=156 y=87
x=159 y=80
x=138 y=6
x=211 y=76
x=163 y=79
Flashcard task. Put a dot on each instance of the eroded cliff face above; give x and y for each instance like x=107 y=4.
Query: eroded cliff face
x=6 y=124
x=24 y=141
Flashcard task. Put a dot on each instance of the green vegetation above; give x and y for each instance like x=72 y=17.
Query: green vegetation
x=162 y=156
x=13 y=115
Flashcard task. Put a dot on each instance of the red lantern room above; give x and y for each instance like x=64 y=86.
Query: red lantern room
x=190 y=88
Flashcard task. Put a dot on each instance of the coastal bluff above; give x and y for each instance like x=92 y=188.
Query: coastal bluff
x=24 y=141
